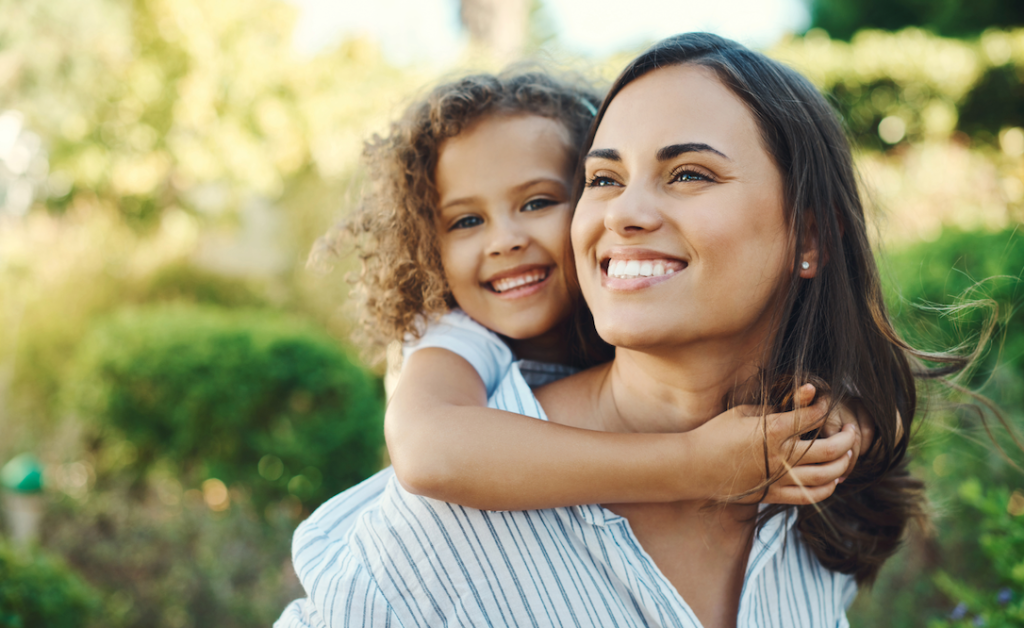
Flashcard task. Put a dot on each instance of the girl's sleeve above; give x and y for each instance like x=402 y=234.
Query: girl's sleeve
x=465 y=337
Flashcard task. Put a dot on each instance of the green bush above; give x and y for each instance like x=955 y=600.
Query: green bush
x=951 y=450
x=37 y=592
x=1000 y=604
x=250 y=398
x=982 y=273
x=182 y=281
x=175 y=563
x=934 y=85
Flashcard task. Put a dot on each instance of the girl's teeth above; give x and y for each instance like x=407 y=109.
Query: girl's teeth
x=509 y=283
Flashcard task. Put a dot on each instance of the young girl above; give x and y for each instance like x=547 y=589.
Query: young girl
x=463 y=235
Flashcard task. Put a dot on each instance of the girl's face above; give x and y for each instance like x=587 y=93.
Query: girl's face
x=680 y=235
x=503 y=219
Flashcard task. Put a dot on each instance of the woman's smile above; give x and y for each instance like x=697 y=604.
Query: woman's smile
x=631 y=268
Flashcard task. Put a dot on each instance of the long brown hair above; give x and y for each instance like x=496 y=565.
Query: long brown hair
x=834 y=326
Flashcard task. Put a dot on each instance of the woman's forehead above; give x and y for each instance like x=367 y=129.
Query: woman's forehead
x=677 y=104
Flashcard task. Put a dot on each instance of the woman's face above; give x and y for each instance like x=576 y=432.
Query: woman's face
x=680 y=235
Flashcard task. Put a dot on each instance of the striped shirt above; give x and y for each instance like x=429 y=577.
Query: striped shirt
x=377 y=555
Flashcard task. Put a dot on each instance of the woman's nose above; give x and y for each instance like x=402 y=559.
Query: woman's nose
x=634 y=211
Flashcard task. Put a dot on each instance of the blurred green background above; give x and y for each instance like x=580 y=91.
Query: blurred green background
x=182 y=391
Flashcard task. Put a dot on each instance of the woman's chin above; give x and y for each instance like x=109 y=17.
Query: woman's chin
x=631 y=337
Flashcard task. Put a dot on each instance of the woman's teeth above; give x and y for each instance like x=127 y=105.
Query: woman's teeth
x=508 y=283
x=629 y=268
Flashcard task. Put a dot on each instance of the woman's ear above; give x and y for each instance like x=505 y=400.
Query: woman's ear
x=809 y=259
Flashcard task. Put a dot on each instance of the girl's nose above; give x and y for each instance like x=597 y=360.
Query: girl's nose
x=507 y=239
x=634 y=211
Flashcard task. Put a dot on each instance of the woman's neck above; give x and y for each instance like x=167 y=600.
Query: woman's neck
x=673 y=390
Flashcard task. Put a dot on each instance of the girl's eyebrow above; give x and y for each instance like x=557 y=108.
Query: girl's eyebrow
x=470 y=200
x=664 y=154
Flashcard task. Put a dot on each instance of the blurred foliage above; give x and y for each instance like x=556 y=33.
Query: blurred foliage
x=950 y=18
x=1001 y=603
x=152 y=104
x=37 y=591
x=182 y=281
x=166 y=122
x=166 y=560
x=931 y=86
x=231 y=398
x=942 y=294
x=979 y=278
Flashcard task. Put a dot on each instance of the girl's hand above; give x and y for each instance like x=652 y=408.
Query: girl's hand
x=810 y=469
x=853 y=414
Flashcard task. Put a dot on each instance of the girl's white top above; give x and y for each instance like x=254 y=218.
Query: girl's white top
x=460 y=334
x=483 y=349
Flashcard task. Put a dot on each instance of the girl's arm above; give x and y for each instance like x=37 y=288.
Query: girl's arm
x=446 y=444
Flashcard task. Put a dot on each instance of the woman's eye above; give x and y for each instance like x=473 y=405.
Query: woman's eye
x=538 y=203
x=466 y=222
x=690 y=175
x=598 y=181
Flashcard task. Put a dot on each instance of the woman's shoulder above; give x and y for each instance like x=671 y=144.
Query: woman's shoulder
x=786 y=582
x=574 y=400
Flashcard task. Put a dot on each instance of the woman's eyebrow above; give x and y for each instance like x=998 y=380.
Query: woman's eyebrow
x=675 y=150
x=664 y=154
x=604 y=153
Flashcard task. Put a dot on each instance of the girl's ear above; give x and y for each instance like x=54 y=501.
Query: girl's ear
x=810 y=259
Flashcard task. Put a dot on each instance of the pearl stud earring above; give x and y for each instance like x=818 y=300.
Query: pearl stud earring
x=805 y=265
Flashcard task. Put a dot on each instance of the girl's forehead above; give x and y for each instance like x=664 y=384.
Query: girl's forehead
x=503 y=150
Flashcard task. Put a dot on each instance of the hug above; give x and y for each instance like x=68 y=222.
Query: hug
x=648 y=283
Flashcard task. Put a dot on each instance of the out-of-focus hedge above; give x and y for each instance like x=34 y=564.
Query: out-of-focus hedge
x=36 y=591
x=240 y=399
x=983 y=275
x=932 y=85
x=968 y=565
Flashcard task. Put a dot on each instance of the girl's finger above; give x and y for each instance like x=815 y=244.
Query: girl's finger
x=819 y=474
x=799 y=495
x=800 y=421
x=824 y=449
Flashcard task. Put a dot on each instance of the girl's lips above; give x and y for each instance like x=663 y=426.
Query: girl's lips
x=519 y=282
x=524 y=290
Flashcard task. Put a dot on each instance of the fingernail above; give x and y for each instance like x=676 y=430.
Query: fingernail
x=837 y=480
x=849 y=453
x=841 y=480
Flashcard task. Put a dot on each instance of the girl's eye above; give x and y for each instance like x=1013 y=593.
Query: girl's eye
x=686 y=175
x=466 y=222
x=598 y=181
x=538 y=203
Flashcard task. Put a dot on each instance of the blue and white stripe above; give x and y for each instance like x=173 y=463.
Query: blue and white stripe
x=379 y=556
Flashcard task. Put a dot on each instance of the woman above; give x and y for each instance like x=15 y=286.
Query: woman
x=732 y=171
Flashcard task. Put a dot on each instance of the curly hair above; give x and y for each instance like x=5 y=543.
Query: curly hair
x=394 y=227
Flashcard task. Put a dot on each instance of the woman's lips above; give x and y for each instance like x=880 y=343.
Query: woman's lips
x=631 y=268
x=629 y=273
